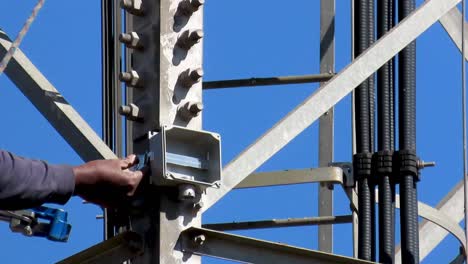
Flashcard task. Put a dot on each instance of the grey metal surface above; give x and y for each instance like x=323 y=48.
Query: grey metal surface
x=161 y=63
x=263 y=179
x=163 y=93
x=277 y=223
x=430 y=234
x=115 y=250
x=282 y=80
x=249 y=250
x=328 y=95
x=53 y=106
x=452 y=24
x=326 y=126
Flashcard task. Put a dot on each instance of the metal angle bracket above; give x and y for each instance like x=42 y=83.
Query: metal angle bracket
x=200 y=241
x=287 y=177
x=115 y=250
x=348 y=176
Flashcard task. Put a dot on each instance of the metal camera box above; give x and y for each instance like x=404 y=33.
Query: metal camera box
x=181 y=155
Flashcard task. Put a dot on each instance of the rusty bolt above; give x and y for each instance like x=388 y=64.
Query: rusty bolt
x=132 y=40
x=131 y=78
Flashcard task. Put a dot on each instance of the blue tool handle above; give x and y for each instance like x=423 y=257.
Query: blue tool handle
x=59 y=229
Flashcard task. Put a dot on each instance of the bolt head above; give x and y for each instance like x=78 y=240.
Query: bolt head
x=132 y=6
x=132 y=40
x=187 y=192
x=28 y=231
x=195 y=108
x=200 y=239
x=196 y=4
x=132 y=78
x=131 y=111
x=196 y=35
x=196 y=74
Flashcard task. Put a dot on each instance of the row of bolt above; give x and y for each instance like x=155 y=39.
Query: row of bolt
x=187 y=79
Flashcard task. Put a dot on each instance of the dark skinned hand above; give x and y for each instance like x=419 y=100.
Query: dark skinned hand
x=107 y=183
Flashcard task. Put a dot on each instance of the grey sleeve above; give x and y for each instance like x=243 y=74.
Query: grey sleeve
x=26 y=183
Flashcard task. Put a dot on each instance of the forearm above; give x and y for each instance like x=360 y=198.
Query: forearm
x=26 y=183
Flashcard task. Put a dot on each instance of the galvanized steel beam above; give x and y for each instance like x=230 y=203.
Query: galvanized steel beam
x=207 y=242
x=51 y=104
x=430 y=234
x=333 y=175
x=277 y=223
x=328 y=95
x=452 y=24
x=281 y=80
x=326 y=126
x=115 y=250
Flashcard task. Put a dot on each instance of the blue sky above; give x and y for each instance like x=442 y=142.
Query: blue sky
x=242 y=39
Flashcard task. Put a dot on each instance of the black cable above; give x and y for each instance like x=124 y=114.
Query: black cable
x=371 y=91
x=407 y=142
x=363 y=136
x=385 y=92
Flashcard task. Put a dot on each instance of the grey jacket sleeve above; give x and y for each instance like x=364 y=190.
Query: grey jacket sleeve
x=26 y=183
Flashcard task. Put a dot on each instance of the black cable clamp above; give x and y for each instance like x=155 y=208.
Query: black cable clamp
x=383 y=163
x=407 y=164
x=362 y=165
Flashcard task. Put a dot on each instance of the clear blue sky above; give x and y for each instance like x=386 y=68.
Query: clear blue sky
x=243 y=38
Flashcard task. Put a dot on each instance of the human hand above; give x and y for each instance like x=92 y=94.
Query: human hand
x=107 y=182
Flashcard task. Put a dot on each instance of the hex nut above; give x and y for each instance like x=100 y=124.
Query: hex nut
x=131 y=40
x=131 y=78
x=134 y=7
x=131 y=112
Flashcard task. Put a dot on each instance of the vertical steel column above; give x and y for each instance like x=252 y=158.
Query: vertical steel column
x=160 y=63
x=326 y=130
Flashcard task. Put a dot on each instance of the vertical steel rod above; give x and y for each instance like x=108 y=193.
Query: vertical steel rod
x=465 y=173
x=326 y=133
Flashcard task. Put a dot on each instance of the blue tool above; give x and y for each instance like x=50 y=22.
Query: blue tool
x=31 y=223
x=58 y=227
